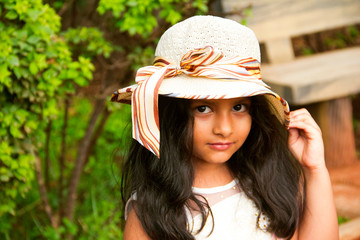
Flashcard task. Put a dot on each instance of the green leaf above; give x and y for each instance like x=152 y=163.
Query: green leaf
x=33 y=39
x=13 y=61
x=5 y=148
x=21 y=115
x=33 y=14
x=33 y=68
x=72 y=74
x=15 y=131
x=81 y=81
x=49 y=74
x=353 y=31
x=132 y=3
x=71 y=227
x=248 y=12
x=11 y=15
x=8 y=118
x=4 y=75
x=17 y=72
x=87 y=73
x=173 y=17
x=31 y=125
x=58 y=4
x=4 y=178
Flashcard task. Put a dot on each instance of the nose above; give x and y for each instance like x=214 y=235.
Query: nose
x=223 y=124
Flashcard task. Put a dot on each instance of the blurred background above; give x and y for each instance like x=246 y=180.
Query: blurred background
x=62 y=141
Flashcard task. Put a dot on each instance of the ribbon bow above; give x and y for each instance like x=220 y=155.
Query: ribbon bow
x=203 y=62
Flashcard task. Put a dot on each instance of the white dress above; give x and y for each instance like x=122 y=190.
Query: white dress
x=235 y=216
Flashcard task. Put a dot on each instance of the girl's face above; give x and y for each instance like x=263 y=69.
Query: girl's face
x=220 y=128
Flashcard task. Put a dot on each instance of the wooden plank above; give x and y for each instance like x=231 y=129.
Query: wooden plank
x=279 y=50
x=274 y=19
x=316 y=78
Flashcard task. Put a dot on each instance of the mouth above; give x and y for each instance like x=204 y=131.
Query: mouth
x=220 y=146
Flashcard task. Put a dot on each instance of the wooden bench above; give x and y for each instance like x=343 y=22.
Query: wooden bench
x=324 y=82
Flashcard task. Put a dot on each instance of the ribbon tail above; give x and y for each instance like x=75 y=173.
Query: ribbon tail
x=145 y=113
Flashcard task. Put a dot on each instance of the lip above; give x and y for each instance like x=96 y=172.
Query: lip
x=220 y=146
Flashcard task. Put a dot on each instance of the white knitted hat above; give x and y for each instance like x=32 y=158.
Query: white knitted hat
x=177 y=48
x=230 y=37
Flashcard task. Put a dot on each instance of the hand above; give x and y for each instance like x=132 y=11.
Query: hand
x=305 y=140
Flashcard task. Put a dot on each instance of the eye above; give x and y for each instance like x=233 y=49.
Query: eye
x=203 y=109
x=240 y=108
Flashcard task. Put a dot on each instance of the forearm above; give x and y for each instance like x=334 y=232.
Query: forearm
x=319 y=219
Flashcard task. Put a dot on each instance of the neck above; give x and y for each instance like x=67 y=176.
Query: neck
x=211 y=175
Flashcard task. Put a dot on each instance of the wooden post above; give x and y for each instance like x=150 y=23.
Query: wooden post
x=279 y=50
x=335 y=120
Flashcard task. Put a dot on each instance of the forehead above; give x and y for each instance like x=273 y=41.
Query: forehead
x=228 y=100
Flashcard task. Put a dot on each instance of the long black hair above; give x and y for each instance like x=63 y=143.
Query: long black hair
x=267 y=173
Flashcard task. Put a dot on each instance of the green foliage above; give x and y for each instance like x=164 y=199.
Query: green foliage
x=307 y=51
x=339 y=41
x=353 y=32
x=342 y=38
x=51 y=233
x=99 y=213
x=137 y=16
x=36 y=69
x=43 y=63
x=88 y=41
x=342 y=220
x=246 y=13
x=146 y=57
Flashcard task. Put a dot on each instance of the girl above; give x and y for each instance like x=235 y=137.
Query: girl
x=217 y=154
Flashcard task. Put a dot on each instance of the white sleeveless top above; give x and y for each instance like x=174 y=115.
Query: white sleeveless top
x=235 y=216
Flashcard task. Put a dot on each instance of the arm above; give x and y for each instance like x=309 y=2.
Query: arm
x=305 y=142
x=133 y=228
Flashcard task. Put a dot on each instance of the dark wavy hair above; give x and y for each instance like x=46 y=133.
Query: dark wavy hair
x=267 y=173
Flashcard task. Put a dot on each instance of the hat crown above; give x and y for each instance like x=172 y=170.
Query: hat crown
x=228 y=36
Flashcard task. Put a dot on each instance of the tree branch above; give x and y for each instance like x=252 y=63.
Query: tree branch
x=65 y=7
x=62 y=160
x=97 y=134
x=80 y=160
x=93 y=9
x=47 y=154
x=112 y=66
x=43 y=192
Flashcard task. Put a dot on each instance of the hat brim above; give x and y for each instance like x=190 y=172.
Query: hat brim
x=184 y=86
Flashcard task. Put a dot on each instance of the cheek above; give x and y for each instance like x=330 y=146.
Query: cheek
x=198 y=131
x=244 y=128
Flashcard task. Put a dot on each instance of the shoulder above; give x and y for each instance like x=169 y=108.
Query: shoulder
x=133 y=228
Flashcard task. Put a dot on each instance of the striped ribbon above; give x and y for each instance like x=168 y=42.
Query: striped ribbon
x=205 y=62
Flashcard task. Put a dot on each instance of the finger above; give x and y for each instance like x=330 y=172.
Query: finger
x=303 y=115
x=304 y=118
x=306 y=126
x=300 y=113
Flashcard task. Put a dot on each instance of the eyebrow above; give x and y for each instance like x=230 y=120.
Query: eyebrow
x=211 y=101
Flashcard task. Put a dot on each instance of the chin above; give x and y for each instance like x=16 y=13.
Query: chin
x=215 y=158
